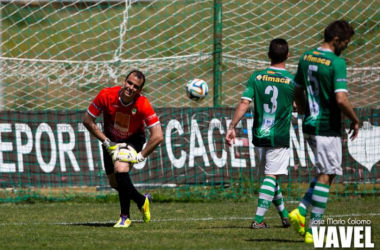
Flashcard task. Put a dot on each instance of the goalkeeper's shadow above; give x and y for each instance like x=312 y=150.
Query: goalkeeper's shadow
x=224 y=227
x=98 y=224
x=94 y=224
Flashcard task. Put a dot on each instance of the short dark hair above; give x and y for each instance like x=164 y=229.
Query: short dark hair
x=339 y=28
x=138 y=74
x=278 y=50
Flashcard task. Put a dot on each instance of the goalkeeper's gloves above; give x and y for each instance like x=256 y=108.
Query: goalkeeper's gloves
x=112 y=147
x=128 y=155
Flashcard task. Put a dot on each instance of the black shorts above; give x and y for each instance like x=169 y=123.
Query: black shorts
x=136 y=141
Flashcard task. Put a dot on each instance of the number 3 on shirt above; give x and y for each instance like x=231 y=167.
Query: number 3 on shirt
x=273 y=99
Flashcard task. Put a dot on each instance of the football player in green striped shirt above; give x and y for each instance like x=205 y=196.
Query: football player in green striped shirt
x=272 y=92
x=321 y=95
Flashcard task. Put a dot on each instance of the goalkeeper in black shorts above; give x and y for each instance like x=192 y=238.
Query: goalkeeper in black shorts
x=125 y=115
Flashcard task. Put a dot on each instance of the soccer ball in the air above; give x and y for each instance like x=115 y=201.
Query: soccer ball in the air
x=196 y=89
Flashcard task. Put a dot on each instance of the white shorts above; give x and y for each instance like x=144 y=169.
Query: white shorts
x=273 y=161
x=327 y=153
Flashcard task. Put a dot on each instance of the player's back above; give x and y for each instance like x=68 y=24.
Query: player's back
x=273 y=97
x=322 y=74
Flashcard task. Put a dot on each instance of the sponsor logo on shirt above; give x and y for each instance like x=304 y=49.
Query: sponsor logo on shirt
x=118 y=135
x=122 y=121
x=278 y=79
x=314 y=59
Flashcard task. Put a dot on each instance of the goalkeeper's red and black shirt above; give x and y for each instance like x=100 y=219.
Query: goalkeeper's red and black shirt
x=122 y=120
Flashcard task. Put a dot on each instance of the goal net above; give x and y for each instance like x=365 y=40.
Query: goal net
x=58 y=54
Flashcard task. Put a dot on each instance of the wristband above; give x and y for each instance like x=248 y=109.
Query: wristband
x=106 y=143
x=140 y=158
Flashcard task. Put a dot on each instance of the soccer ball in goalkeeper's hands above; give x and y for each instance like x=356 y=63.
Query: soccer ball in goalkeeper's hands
x=196 y=89
x=125 y=155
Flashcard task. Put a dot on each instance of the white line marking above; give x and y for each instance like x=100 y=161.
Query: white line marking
x=170 y=220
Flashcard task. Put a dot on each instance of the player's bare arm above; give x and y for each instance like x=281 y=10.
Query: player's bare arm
x=240 y=110
x=89 y=123
x=300 y=99
x=156 y=137
x=346 y=108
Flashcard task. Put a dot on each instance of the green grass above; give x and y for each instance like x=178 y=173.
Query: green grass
x=201 y=225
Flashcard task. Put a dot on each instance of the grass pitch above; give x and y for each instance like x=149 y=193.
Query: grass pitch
x=174 y=225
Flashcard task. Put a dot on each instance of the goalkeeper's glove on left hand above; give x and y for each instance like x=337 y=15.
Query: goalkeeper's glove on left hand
x=113 y=147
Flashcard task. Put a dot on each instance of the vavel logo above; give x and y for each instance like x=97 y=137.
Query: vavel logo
x=339 y=234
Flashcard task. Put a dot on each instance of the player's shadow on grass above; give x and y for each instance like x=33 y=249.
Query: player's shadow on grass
x=277 y=227
x=276 y=240
x=93 y=224
x=97 y=224
x=237 y=227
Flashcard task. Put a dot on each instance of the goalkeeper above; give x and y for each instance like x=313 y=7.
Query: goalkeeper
x=125 y=112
